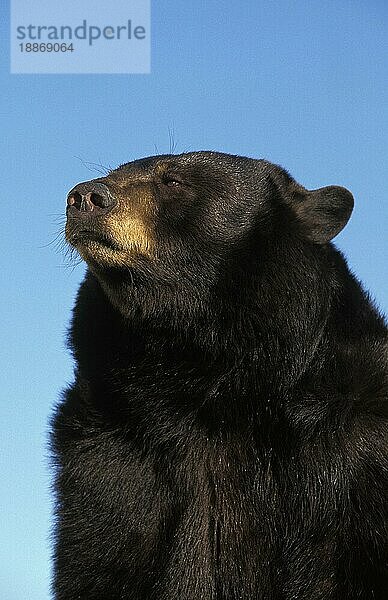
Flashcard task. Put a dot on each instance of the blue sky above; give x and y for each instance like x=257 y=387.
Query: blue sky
x=303 y=84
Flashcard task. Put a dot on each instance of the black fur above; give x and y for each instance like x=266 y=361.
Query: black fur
x=226 y=434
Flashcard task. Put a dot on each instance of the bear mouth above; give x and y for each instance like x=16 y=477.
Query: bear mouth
x=86 y=237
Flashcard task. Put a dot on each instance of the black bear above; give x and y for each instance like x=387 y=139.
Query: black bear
x=226 y=433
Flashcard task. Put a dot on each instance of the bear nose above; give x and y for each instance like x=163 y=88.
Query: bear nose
x=90 y=197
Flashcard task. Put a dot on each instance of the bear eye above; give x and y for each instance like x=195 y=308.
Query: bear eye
x=172 y=180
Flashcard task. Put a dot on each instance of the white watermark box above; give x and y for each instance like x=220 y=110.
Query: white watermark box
x=80 y=36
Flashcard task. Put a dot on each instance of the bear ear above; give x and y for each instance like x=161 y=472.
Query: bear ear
x=324 y=212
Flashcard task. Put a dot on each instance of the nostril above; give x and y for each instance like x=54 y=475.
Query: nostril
x=98 y=200
x=75 y=200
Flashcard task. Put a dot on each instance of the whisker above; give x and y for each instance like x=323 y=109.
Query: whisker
x=94 y=167
x=173 y=144
x=58 y=236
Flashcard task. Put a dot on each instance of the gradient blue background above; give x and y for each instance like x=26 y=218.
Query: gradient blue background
x=303 y=84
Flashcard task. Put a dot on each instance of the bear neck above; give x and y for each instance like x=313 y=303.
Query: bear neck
x=272 y=343
x=240 y=365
